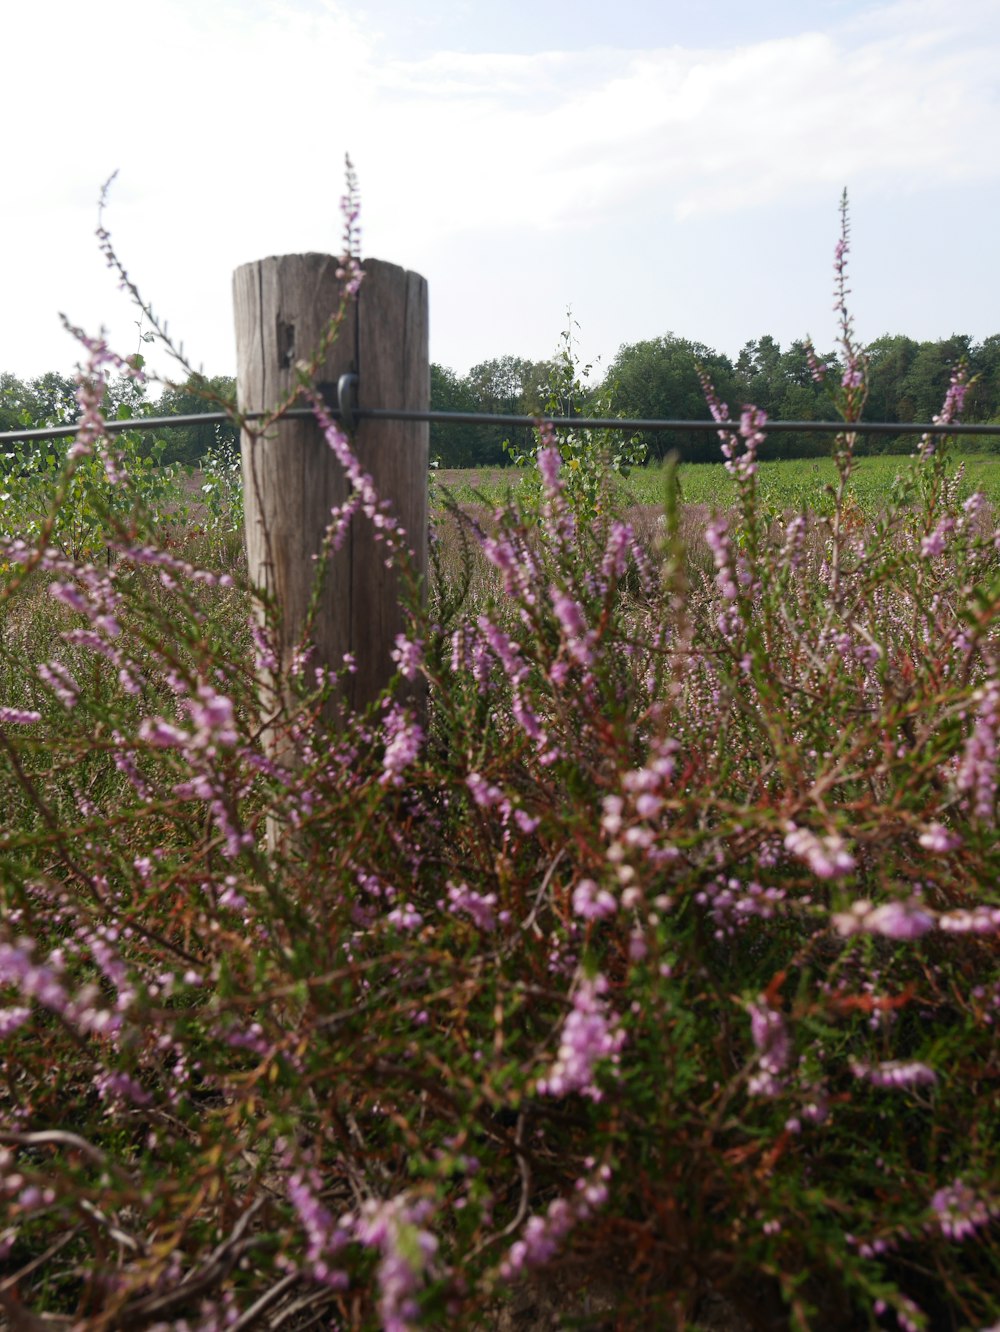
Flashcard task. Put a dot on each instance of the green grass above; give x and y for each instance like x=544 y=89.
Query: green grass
x=790 y=484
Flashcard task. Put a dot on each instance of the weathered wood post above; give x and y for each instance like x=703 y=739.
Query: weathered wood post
x=292 y=480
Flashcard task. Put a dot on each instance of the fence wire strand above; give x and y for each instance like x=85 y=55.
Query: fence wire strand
x=636 y=425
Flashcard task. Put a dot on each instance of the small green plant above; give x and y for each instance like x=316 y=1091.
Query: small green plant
x=594 y=459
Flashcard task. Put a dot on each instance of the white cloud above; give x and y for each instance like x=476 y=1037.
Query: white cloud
x=229 y=123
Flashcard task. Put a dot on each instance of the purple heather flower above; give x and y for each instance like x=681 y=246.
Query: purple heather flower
x=212 y=714
x=70 y=596
x=11 y=1019
x=397 y=1228
x=977 y=774
x=893 y=920
x=162 y=734
x=621 y=538
x=18 y=716
x=770 y=1037
x=549 y=462
x=484 y=793
x=978 y=920
x=350 y=271
x=61 y=681
x=405 y=917
x=752 y=423
x=951 y=409
x=817 y=369
x=324 y=1237
x=895 y=1073
x=591 y=902
x=408 y=654
x=590 y=1033
x=526 y=822
x=899 y=920
x=572 y=622
x=774 y=1050
x=961 y=1212
x=403 y=740
x=827 y=857
x=479 y=907
x=543 y=1236
x=938 y=838
x=933 y=545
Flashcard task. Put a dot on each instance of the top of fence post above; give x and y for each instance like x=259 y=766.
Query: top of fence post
x=292 y=478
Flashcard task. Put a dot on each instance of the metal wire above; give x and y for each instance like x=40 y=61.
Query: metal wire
x=630 y=425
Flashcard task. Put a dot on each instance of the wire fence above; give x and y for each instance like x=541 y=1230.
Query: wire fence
x=634 y=425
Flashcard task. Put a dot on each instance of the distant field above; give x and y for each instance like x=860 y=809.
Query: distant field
x=791 y=484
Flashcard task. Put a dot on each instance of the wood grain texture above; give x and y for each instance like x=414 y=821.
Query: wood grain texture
x=292 y=479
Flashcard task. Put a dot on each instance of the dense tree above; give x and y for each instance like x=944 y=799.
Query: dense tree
x=984 y=398
x=890 y=359
x=189 y=444
x=926 y=381
x=659 y=378
x=49 y=399
x=782 y=384
x=505 y=385
x=454 y=445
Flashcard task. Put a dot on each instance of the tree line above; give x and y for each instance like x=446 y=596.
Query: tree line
x=658 y=378
x=655 y=378
x=50 y=400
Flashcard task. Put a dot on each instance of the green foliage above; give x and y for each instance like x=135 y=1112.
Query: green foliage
x=594 y=459
x=659 y=378
x=190 y=444
x=79 y=509
x=505 y=385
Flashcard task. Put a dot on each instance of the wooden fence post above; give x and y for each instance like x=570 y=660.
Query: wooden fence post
x=291 y=478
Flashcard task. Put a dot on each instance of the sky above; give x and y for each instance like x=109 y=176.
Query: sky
x=656 y=166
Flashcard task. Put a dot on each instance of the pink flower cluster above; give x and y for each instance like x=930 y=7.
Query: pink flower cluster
x=827 y=857
x=45 y=983
x=895 y=1073
x=363 y=496
x=92 y=381
x=893 y=920
x=741 y=462
x=403 y=738
x=774 y=1049
x=543 y=1235
x=350 y=271
x=398 y=1229
x=479 y=907
x=408 y=654
x=951 y=409
x=912 y=920
x=977 y=773
x=19 y=716
x=960 y=1212
x=325 y=1238
x=212 y=730
x=591 y=902
x=590 y=1034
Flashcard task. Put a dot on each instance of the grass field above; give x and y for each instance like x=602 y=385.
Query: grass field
x=793 y=484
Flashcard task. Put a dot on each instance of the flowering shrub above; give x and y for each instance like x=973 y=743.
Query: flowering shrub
x=662 y=942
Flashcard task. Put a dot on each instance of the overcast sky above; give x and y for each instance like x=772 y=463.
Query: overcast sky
x=658 y=165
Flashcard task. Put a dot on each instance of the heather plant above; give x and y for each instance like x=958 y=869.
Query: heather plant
x=651 y=957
